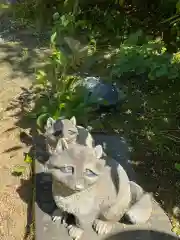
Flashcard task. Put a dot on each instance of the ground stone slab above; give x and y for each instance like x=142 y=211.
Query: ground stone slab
x=158 y=227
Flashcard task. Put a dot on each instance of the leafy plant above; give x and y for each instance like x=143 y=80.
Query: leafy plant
x=177 y=166
x=151 y=75
x=150 y=59
x=60 y=93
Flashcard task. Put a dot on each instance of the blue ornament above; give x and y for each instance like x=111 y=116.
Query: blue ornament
x=102 y=93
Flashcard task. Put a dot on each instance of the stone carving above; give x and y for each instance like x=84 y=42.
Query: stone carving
x=68 y=130
x=95 y=189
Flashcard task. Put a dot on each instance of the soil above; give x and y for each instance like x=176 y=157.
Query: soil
x=13 y=214
x=19 y=54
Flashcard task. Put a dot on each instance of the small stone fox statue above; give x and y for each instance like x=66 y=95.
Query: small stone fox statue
x=66 y=129
x=97 y=191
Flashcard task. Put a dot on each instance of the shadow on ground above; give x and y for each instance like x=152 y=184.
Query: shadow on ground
x=23 y=60
x=141 y=235
x=25 y=192
x=22 y=48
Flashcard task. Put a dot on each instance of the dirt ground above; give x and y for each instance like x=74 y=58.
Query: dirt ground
x=13 y=214
x=18 y=57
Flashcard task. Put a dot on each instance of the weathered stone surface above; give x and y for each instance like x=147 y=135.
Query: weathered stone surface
x=158 y=227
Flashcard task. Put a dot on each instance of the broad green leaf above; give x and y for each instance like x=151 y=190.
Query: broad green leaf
x=4 y=6
x=62 y=105
x=41 y=77
x=64 y=20
x=59 y=57
x=177 y=166
x=28 y=159
x=18 y=170
x=67 y=97
x=44 y=109
x=55 y=16
x=53 y=37
x=41 y=73
x=41 y=120
x=56 y=115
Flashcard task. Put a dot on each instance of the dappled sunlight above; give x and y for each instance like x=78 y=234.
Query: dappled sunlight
x=23 y=60
x=21 y=48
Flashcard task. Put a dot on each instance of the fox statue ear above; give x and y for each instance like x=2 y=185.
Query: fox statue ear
x=101 y=162
x=73 y=120
x=98 y=151
x=50 y=122
x=61 y=145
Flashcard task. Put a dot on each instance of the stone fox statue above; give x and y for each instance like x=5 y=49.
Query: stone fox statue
x=96 y=191
x=66 y=129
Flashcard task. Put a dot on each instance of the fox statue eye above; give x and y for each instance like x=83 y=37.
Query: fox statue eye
x=71 y=132
x=90 y=173
x=67 y=169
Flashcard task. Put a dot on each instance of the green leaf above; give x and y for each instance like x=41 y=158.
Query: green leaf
x=18 y=170
x=28 y=159
x=177 y=166
x=41 y=120
x=53 y=37
x=4 y=6
x=44 y=109
x=41 y=77
x=178 y=6
x=41 y=73
x=65 y=19
x=56 y=114
x=62 y=106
